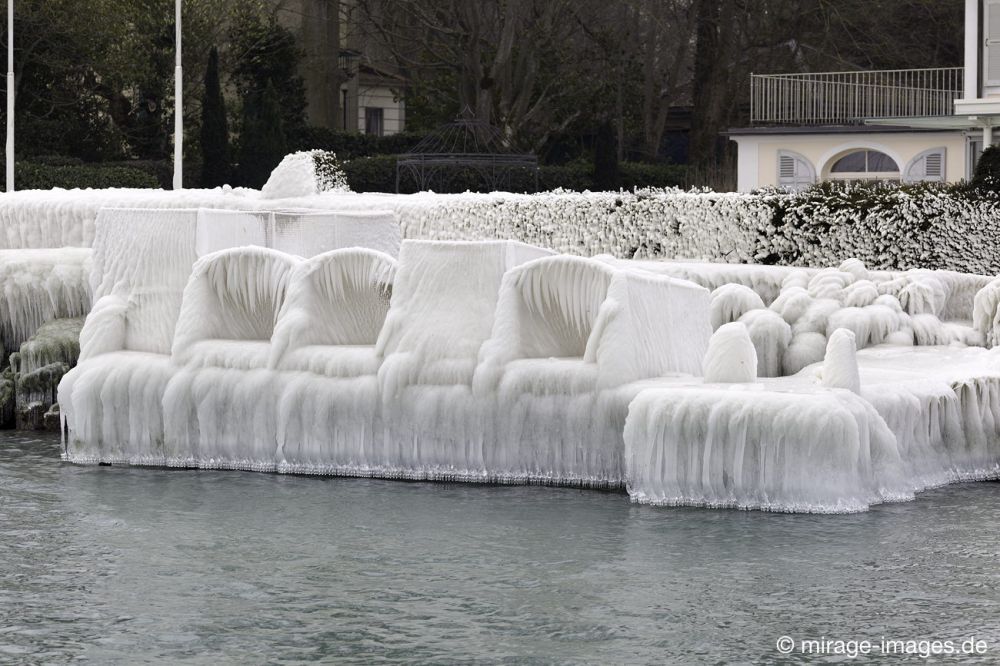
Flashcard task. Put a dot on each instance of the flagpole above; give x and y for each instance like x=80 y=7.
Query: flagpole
x=178 y=107
x=10 y=95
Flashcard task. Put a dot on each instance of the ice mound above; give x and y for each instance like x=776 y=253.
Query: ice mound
x=731 y=357
x=732 y=301
x=770 y=335
x=840 y=366
x=305 y=173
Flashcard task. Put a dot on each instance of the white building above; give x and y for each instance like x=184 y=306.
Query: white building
x=349 y=86
x=908 y=125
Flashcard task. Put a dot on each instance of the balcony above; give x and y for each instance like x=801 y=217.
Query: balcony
x=850 y=98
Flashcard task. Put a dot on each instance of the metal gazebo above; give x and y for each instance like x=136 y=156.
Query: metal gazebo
x=466 y=143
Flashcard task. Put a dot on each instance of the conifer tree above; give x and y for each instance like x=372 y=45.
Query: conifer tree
x=215 y=167
x=262 y=137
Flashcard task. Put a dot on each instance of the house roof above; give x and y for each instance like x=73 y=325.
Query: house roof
x=372 y=73
x=830 y=129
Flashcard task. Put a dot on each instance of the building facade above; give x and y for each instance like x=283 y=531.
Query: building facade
x=898 y=125
x=349 y=85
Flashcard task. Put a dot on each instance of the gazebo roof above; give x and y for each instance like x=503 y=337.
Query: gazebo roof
x=466 y=135
x=466 y=142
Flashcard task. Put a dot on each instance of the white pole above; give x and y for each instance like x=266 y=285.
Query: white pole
x=10 y=95
x=178 y=108
x=987 y=136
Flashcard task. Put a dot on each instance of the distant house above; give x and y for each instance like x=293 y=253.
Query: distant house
x=349 y=87
x=899 y=125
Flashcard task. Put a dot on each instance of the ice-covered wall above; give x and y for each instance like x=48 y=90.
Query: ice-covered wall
x=37 y=286
x=812 y=451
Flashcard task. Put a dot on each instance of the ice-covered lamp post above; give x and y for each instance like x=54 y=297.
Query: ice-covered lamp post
x=10 y=95
x=178 y=107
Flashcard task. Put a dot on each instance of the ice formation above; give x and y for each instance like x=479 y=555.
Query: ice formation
x=770 y=335
x=731 y=357
x=821 y=390
x=40 y=285
x=804 y=451
x=732 y=301
x=489 y=362
x=303 y=174
x=840 y=366
x=36 y=369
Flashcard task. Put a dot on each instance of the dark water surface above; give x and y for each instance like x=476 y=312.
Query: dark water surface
x=120 y=565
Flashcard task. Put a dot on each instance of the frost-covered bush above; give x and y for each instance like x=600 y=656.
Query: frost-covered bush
x=987 y=175
x=305 y=174
x=33 y=176
x=650 y=223
x=885 y=226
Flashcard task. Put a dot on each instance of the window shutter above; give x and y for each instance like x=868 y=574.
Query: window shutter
x=928 y=166
x=794 y=171
x=991 y=43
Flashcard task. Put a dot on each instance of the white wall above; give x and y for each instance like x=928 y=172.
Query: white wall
x=393 y=108
x=757 y=162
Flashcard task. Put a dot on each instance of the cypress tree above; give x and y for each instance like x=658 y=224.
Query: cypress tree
x=262 y=137
x=606 y=173
x=987 y=174
x=214 y=128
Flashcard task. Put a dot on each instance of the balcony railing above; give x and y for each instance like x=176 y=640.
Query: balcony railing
x=835 y=98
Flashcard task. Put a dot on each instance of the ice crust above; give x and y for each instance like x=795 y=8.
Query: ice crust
x=491 y=361
x=821 y=390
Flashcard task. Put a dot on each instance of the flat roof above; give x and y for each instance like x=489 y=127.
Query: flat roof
x=835 y=129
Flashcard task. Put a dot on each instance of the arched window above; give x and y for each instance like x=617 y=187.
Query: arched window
x=864 y=165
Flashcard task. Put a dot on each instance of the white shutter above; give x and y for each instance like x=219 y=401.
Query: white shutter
x=991 y=43
x=927 y=166
x=795 y=172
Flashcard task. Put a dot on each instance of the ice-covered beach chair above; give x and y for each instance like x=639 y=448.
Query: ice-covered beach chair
x=443 y=302
x=230 y=307
x=334 y=311
x=324 y=347
x=111 y=402
x=569 y=333
x=219 y=407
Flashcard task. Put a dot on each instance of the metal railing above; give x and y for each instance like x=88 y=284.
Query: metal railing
x=850 y=97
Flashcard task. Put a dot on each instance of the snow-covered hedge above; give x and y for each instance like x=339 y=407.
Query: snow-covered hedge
x=891 y=228
x=887 y=227
x=648 y=223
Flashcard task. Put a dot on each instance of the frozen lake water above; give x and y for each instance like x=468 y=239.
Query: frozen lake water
x=118 y=564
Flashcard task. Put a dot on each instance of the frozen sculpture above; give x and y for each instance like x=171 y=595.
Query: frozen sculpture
x=224 y=339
